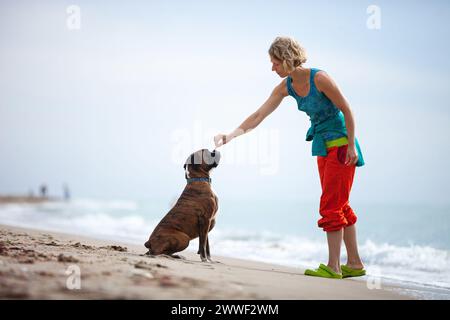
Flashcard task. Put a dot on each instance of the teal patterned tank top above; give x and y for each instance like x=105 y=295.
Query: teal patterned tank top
x=327 y=121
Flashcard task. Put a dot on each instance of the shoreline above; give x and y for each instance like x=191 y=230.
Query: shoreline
x=16 y=199
x=37 y=264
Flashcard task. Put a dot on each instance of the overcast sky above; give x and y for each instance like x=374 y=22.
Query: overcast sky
x=114 y=108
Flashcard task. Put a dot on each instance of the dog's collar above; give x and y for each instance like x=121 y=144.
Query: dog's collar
x=189 y=180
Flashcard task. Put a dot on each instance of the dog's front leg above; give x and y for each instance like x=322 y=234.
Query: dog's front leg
x=208 y=255
x=203 y=227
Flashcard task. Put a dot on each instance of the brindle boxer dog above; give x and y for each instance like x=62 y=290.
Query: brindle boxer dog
x=193 y=214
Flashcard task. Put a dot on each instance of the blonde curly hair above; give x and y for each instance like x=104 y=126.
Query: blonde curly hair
x=289 y=52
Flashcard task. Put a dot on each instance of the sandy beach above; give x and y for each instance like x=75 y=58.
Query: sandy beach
x=47 y=265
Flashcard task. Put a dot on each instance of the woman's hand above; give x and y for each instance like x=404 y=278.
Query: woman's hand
x=352 y=156
x=221 y=139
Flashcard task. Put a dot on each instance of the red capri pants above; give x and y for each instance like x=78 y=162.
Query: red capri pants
x=336 y=179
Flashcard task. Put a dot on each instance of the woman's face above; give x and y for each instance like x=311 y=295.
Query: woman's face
x=277 y=66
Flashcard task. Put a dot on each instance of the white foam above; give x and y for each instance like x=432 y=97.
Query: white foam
x=422 y=265
x=84 y=217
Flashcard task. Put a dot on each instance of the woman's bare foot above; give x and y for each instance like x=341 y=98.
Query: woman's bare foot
x=355 y=266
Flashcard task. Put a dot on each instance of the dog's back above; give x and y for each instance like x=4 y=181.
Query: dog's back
x=197 y=203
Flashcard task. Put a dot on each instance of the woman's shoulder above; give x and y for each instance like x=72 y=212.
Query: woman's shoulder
x=282 y=88
x=321 y=78
x=317 y=72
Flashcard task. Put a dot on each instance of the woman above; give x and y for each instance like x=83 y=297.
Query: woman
x=332 y=133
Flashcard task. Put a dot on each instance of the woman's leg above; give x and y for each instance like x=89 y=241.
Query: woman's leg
x=351 y=244
x=336 y=180
x=334 y=249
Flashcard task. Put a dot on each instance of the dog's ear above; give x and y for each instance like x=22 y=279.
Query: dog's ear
x=193 y=163
x=189 y=160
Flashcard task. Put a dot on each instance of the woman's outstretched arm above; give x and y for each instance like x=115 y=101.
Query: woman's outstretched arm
x=255 y=118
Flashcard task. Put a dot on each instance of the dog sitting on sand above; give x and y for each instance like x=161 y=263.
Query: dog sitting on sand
x=193 y=215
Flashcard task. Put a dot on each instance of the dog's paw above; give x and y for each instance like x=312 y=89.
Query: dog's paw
x=213 y=261
x=177 y=256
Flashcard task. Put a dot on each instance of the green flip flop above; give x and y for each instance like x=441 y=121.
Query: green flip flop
x=349 y=272
x=324 y=272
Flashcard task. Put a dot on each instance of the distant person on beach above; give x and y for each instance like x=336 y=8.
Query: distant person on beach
x=332 y=133
x=66 y=192
x=43 y=190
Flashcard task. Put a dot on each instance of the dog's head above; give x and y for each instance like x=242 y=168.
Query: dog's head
x=200 y=163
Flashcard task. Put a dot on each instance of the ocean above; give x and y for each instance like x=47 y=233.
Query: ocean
x=399 y=244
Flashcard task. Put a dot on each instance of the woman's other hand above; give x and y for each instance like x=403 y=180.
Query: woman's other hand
x=352 y=156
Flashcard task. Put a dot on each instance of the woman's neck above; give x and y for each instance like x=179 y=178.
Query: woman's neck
x=300 y=75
